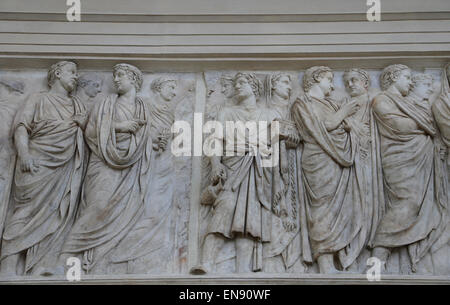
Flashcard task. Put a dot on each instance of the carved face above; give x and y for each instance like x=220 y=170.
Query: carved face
x=283 y=87
x=326 y=83
x=227 y=88
x=123 y=81
x=68 y=77
x=423 y=88
x=93 y=88
x=403 y=81
x=168 y=90
x=243 y=88
x=354 y=84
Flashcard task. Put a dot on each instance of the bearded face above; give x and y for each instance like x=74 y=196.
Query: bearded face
x=68 y=77
x=403 y=82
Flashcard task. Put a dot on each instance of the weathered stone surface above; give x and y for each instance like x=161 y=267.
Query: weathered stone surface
x=104 y=158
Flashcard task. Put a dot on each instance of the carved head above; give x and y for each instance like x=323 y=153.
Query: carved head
x=356 y=82
x=422 y=85
x=281 y=85
x=127 y=76
x=64 y=72
x=227 y=86
x=398 y=76
x=321 y=76
x=165 y=87
x=246 y=85
x=91 y=84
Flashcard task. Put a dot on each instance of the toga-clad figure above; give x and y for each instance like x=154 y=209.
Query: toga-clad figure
x=242 y=202
x=47 y=183
x=115 y=186
x=150 y=245
x=367 y=159
x=416 y=200
x=334 y=207
x=285 y=252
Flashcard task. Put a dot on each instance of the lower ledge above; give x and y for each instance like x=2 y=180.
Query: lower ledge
x=241 y=279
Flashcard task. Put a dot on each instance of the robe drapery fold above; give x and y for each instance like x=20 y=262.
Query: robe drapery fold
x=244 y=205
x=441 y=108
x=45 y=202
x=334 y=204
x=115 y=186
x=416 y=199
x=152 y=239
x=287 y=192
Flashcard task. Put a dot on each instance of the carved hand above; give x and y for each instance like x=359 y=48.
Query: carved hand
x=163 y=139
x=219 y=173
x=279 y=211
x=29 y=165
x=350 y=108
x=336 y=119
x=293 y=141
x=289 y=224
x=129 y=126
x=80 y=119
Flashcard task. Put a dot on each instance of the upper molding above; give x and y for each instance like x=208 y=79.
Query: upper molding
x=220 y=7
x=198 y=35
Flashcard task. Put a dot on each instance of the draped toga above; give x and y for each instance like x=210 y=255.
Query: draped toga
x=287 y=192
x=441 y=111
x=334 y=205
x=151 y=242
x=115 y=186
x=243 y=207
x=45 y=202
x=416 y=200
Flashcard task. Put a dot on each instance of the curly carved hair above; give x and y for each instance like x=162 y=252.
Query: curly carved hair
x=389 y=74
x=313 y=75
x=276 y=77
x=253 y=81
x=133 y=72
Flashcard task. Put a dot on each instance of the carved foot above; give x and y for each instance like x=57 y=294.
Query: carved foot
x=199 y=270
x=50 y=271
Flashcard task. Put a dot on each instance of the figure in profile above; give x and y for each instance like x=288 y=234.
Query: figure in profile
x=416 y=201
x=51 y=159
x=115 y=186
x=333 y=201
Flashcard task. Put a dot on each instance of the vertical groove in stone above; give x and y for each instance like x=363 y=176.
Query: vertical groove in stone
x=196 y=178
